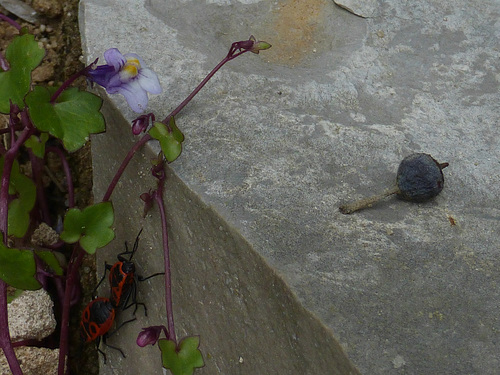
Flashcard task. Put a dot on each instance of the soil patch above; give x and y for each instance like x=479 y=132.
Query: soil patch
x=57 y=32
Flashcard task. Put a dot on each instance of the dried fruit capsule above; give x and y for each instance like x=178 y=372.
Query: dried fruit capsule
x=419 y=178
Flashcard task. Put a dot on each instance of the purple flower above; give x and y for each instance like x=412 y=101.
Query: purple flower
x=150 y=335
x=127 y=75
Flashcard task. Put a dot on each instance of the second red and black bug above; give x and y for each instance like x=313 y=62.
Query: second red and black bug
x=97 y=319
x=99 y=315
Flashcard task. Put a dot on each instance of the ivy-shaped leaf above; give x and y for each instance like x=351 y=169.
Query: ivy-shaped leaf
x=23 y=55
x=185 y=358
x=17 y=267
x=24 y=191
x=90 y=226
x=72 y=118
x=170 y=138
x=37 y=144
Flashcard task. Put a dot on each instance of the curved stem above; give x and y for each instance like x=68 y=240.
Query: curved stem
x=195 y=91
x=71 y=279
x=5 y=342
x=37 y=165
x=10 y=21
x=158 y=195
x=231 y=55
x=67 y=172
x=124 y=164
x=347 y=209
x=69 y=81
x=4 y=64
x=9 y=158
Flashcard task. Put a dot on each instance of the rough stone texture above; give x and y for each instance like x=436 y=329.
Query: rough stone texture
x=31 y=316
x=34 y=361
x=276 y=142
x=248 y=320
x=20 y=9
x=44 y=235
x=362 y=8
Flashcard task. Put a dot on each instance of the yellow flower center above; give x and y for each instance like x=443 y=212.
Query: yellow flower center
x=131 y=67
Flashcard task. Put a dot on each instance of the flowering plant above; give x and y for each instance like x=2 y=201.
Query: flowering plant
x=126 y=75
x=59 y=120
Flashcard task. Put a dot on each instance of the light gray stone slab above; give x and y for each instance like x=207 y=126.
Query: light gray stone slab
x=276 y=142
x=363 y=8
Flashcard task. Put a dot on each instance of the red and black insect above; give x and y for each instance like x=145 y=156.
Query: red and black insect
x=99 y=314
x=97 y=319
x=122 y=279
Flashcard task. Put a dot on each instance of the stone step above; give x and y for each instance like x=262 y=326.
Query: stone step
x=266 y=270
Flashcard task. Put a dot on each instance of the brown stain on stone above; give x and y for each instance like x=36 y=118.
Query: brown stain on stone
x=296 y=26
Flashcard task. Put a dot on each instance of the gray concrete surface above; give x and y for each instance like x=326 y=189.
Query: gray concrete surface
x=268 y=271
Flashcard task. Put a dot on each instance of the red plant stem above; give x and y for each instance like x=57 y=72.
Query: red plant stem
x=69 y=81
x=36 y=172
x=124 y=164
x=9 y=157
x=195 y=91
x=159 y=192
x=12 y=22
x=200 y=86
x=4 y=64
x=8 y=130
x=71 y=280
x=158 y=195
x=230 y=56
x=5 y=342
x=67 y=172
x=4 y=194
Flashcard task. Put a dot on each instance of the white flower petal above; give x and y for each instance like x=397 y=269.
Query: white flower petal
x=149 y=81
x=136 y=96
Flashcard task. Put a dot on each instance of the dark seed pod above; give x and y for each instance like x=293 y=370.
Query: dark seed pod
x=420 y=177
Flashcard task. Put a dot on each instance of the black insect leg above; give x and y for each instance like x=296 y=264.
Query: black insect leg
x=107 y=267
x=110 y=346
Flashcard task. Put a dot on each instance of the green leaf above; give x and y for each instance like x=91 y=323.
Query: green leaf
x=23 y=55
x=37 y=144
x=51 y=260
x=20 y=208
x=90 y=226
x=19 y=219
x=72 y=118
x=170 y=138
x=17 y=267
x=175 y=130
x=24 y=191
x=181 y=360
